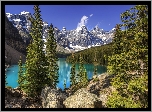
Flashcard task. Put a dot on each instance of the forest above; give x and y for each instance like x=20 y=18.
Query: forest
x=101 y=52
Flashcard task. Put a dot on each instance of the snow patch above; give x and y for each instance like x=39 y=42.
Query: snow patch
x=24 y=12
x=17 y=20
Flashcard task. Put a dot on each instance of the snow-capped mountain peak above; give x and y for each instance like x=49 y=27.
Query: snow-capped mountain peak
x=77 y=39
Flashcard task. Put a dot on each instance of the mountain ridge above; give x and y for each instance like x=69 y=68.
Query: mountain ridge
x=71 y=40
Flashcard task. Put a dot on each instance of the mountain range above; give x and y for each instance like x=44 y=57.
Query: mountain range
x=67 y=40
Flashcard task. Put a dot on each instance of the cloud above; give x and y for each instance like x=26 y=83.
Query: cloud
x=84 y=21
x=91 y=15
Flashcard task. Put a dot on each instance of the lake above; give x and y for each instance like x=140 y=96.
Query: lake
x=64 y=73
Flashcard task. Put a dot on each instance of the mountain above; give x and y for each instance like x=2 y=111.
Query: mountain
x=70 y=40
x=12 y=56
x=14 y=44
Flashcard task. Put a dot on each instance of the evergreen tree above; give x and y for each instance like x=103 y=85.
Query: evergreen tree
x=81 y=69
x=116 y=51
x=5 y=76
x=95 y=70
x=36 y=74
x=95 y=65
x=5 y=79
x=131 y=64
x=73 y=73
x=51 y=56
x=64 y=84
x=82 y=75
x=85 y=79
x=20 y=73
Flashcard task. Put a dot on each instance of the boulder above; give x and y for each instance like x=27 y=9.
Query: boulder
x=104 y=93
x=83 y=99
x=101 y=82
x=52 y=98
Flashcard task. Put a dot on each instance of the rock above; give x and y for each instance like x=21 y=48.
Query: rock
x=70 y=91
x=83 y=99
x=15 y=98
x=16 y=92
x=94 y=87
x=101 y=87
x=101 y=82
x=104 y=95
x=52 y=98
x=94 y=76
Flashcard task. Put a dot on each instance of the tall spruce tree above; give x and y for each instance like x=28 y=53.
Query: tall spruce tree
x=20 y=73
x=5 y=76
x=84 y=79
x=82 y=75
x=116 y=51
x=73 y=73
x=51 y=56
x=95 y=65
x=36 y=74
x=5 y=80
x=131 y=67
x=64 y=84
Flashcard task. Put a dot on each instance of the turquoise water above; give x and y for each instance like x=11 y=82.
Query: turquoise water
x=64 y=73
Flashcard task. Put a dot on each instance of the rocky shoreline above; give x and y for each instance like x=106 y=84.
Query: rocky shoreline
x=93 y=96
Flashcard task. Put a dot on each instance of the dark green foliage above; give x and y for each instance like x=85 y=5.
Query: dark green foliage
x=95 y=65
x=5 y=76
x=89 y=54
x=81 y=69
x=64 y=84
x=51 y=56
x=81 y=79
x=73 y=73
x=82 y=75
x=62 y=54
x=84 y=79
x=20 y=73
x=5 y=79
x=36 y=74
x=130 y=63
x=95 y=70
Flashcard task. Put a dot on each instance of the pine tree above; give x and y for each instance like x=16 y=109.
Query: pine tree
x=81 y=76
x=73 y=73
x=95 y=65
x=81 y=69
x=36 y=74
x=116 y=51
x=131 y=79
x=5 y=76
x=51 y=56
x=5 y=79
x=85 y=79
x=64 y=84
x=20 y=73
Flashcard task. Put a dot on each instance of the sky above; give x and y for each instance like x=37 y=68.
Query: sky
x=74 y=16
